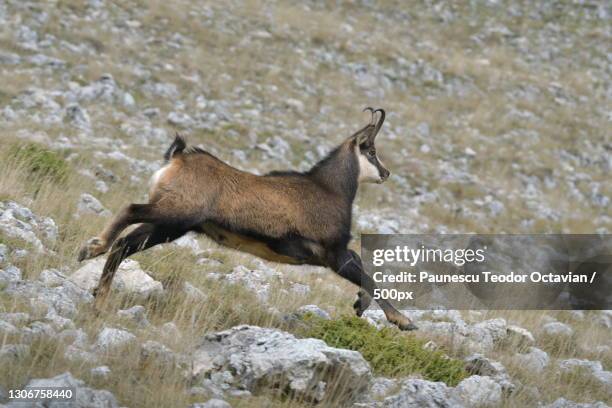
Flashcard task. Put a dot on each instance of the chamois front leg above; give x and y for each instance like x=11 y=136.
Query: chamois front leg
x=347 y=264
x=131 y=214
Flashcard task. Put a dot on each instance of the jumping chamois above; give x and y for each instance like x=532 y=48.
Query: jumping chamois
x=283 y=216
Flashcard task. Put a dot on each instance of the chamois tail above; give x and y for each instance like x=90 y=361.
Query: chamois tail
x=176 y=147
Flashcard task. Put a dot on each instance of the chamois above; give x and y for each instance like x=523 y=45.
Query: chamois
x=283 y=216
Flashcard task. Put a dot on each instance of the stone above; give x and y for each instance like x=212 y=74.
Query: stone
x=15 y=318
x=479 y=391
x=555 y=329
x=85 y=397
x=594 y=369
x=519 y=336
x=154 y=351
x=110 y=339
x=534 y=359
x=381 y=387
x=193 y=293
x=189 y=241
x=100 y=372
x=20 y=222
x=480 y=365
x=136 y=314
x=3 y=253
x=212 y=403
x=78 y=117
x=10 y=274
x=255 y=359
x=89 y=204
x=129 y=278
x=313 y=309
x=61 y=299
x=563 y=403
x=417 y=393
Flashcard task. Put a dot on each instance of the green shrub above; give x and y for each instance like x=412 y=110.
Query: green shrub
x=39 y=161
x=390 y=352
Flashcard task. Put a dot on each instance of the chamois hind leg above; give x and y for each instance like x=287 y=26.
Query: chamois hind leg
x=347 y=264
x=131 y=214
x=143 y=237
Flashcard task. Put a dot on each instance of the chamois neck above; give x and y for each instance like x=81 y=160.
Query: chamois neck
x=338 y=171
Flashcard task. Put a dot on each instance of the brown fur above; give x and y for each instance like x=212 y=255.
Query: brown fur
x=201 y=185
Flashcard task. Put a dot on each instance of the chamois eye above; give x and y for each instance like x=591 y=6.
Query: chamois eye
x=372 y=153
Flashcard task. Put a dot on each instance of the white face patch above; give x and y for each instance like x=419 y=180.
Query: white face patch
x=368 y=173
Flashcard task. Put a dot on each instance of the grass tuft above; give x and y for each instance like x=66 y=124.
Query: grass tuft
x=389 y=352
x=40 y=162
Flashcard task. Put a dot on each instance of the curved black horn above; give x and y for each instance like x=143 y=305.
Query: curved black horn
x=372 y=111
x=380 y=121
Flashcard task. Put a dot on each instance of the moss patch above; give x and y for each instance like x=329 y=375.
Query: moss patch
x=390 y=352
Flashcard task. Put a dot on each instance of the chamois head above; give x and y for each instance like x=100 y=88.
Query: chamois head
x=371 y=169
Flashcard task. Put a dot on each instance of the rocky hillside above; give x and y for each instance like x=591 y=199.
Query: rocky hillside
x=498 y=121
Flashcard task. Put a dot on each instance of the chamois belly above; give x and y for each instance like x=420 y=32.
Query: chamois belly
x=292 y=251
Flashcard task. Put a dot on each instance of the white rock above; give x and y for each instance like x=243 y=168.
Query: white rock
x=592 y=368
x=479 y=391
x=85 y=397
x=212 y=403
x=155 y=351
x=300 y=289
x=170 y=331
x=563 y=403
x=101 y=186
x=381 y=387
x=15 y=318
x=128 y=278
x=258 y=280
x=180 y=119
x=480 y=365
x=193 y=293
x=3 y=253
x=555 y=329
x=19 y=222
x=423 y=394
x=100 y=372
x=535 y=359
x=7 y=329
x=315 y=310
x=110 y=339
x=260 y=358
x=519 y=336
x=10 y=274
x=189 y=241
x=136 y=314
x=295 y=104
x=78 y=117
x=89 y=204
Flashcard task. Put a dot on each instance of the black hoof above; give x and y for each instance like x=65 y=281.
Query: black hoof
x=83 y=253
x=408 y=327
x=357 y=308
